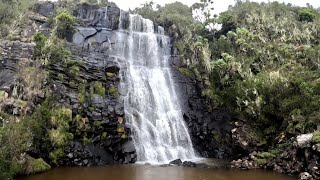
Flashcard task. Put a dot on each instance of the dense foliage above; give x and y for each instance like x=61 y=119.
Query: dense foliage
x=263 y=64
x=175 y=13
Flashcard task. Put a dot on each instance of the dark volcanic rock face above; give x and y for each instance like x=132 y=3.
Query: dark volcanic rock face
x=13 y=55
x=210 y=130
x=91 y=87
x=79 y=87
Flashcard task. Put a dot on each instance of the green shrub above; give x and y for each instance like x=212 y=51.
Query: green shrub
x=104 y=136
x=85 y=139
x=307 y=14
x=40 y=41
x=316 y=137
x=64 y=23
x=56 y=154
x=99 y=88
x=14 y=139
x=266 y=155
x=82 y=93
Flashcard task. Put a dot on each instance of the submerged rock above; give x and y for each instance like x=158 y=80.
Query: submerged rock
x=189 y=164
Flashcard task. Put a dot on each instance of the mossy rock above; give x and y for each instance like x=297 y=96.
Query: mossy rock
x=216 y=136
x=91 y=109
x=97 y=88
x=104 y=136
x=113 y=91
x=110 y=75
x=35 y=166
x=97 y=124
x=120 y=129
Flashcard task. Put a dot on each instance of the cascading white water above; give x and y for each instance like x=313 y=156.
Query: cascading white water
x=151 y=103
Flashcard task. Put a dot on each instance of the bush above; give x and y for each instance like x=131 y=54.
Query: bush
x=40 y=41
x=316 y=137
x=64 y=23
x=307 y=14
x=35 y=166
x=15 y=139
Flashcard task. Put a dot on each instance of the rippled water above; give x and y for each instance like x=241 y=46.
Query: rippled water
x=145 y=172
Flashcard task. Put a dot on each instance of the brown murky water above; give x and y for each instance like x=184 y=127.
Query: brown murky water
x=145 y=172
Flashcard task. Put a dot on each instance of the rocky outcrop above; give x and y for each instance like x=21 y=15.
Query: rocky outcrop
x=300 y=159
x=16 y=95
x=14 y=55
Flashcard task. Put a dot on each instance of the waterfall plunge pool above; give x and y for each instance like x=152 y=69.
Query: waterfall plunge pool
x=149 y=172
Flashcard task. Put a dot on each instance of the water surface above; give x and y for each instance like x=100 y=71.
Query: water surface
x=145 y=172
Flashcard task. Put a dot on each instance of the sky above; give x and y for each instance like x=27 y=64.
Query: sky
x=220 y=5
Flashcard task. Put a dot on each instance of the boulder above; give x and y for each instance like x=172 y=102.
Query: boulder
x=304 y=140
x=128 y=147
x=189 y=164
x=177 y=162
x=305 y=176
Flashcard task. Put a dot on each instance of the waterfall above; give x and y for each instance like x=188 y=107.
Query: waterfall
x=151 y=104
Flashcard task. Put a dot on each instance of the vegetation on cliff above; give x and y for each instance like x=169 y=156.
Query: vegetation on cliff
x=263 y=63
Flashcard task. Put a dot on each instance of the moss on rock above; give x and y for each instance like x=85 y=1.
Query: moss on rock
x=113 y=91
x=35 y=166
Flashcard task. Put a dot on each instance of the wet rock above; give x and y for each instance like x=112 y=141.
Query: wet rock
x=128 y=147
x=202 y=165
x=189 y=164
x=244 y=163
x=316 y=147
x=242 y=139
x=304 y=140
x=177 y=162
x=305 y=176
